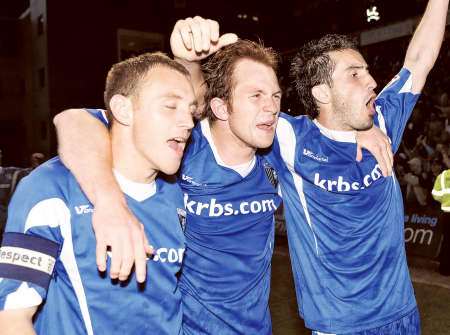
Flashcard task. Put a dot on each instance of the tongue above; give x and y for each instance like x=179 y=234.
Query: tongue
x=174 y=145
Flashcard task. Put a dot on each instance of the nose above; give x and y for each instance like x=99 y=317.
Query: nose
x=271 y=105
x=372 y=84
x=186 y=120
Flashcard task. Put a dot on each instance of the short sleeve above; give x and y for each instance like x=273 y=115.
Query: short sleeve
x=394 y=106
x=30 y=248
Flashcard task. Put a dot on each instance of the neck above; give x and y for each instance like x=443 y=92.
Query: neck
x=231 y=149
x=127 y=159
x=331 y=121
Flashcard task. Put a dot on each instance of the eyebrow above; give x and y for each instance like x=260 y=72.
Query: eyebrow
x=277 y=92
x=179 y=97
x=358 y=67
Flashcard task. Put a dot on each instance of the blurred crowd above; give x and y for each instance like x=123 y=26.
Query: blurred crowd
x=9 y=178
x=425 y=148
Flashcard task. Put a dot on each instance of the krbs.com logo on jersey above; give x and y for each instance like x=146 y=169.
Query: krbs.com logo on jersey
x=214 y=208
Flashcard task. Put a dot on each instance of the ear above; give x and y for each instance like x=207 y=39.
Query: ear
x=220 y=108
x=321 y=93
x=122 y=109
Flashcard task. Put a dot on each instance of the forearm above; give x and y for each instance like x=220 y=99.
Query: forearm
x=426 y=42
x=13 y=322
x=84 y=146
x=197 y=79
x=14 y=328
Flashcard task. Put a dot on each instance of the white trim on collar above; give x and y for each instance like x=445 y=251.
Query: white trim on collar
x=243 y=169
x=337 y=135
x=137 y=191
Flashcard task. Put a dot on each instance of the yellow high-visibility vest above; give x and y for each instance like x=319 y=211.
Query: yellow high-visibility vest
x=441 y=190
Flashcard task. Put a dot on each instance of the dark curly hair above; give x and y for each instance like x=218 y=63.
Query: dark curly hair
x=313 y=66
x=218 y=69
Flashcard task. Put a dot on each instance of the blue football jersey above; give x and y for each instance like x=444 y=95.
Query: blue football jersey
x=48 y=256
x=225 y=280
x=345 y=220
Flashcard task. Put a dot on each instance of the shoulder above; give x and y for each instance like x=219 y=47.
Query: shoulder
x=402 y=82
x=198 y=145
x=49 y=180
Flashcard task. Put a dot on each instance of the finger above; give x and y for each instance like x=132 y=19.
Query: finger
x=358 y=153
x=149 y=250
x=381 y=161
x=140 y=257
x=390 y=158
x=116 y=260
x=205 y=31
x=185 y=32
x=100 y=252
x=126 y=263
x=227 y=39
x=196 y=34
x=214 y=30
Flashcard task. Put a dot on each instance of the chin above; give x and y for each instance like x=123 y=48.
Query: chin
x=170 y=169
x=363 y=126
x=263 y=144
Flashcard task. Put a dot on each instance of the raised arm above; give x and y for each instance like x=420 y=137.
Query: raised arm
x=426 y=42
x=194 y=39
x=85 y=148
x=17 y=321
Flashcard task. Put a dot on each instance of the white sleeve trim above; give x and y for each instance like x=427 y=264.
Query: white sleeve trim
x=51 y=212
x=23 y=297
x=407 y=86
x=55 y=213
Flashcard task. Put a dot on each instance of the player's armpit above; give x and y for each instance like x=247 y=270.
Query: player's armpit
x=17 y=321
x=378 y=144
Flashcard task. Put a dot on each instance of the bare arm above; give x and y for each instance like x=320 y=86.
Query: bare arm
x=194 y=39
x=85 y=148
x=17 y=321
x=426 y=42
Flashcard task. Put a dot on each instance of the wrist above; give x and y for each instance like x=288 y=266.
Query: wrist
x=108 y=194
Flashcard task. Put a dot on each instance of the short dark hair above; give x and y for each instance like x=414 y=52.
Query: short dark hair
x=313 y=66
x=124 y=77
x=218 y=69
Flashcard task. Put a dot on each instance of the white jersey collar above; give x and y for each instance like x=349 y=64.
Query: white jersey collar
x=243 y=169
x=337 y=135
x=137 y=191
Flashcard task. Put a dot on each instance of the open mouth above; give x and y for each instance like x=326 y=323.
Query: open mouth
x=266 y=126
x=370 y=104
x=177 y=144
